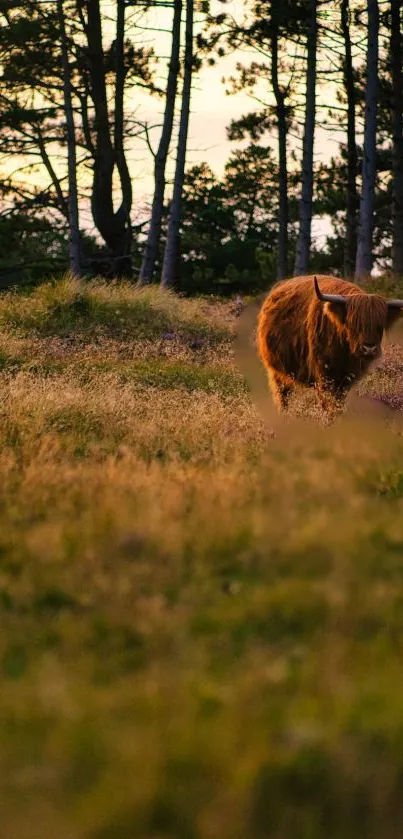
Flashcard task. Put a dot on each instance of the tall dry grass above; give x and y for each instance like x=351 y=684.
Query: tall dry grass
x=201 y=632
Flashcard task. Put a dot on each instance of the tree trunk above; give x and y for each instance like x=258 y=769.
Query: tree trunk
x=123 y=212
x=151 y=247
x=364 y=260
x=72 y=198
x=305 y=208
x=397 y=121
x=113 y=227
x=350 y=249
x=171 y=254
x=282 y=246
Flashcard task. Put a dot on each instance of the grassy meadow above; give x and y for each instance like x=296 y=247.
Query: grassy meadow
x=201 y=620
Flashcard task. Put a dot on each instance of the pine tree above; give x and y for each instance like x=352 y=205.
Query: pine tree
x=364 y=258
x=33 y=110
x=151 y=246
x=305 y=209
x=396 y=55
x=72 y=198
x=352 y=158
x=172 y=245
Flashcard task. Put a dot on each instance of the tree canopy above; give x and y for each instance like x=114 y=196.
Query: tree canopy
x=306 y=69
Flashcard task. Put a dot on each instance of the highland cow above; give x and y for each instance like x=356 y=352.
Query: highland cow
x=323 y=333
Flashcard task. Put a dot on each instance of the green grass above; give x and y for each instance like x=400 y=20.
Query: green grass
x=68 y=307
x=201 y=623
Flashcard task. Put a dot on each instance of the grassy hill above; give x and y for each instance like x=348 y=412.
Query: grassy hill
x=201 y=623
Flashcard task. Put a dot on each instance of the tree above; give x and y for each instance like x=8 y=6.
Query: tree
x=305 y=210
x=271 y=31
x=229 y=226
x=250 y=177
x=30 y=116
x=171 y=254
x=30 y=247
x=364 y=258
x=397 y=129
x=208 y=229
x=281 y=111
x=33 y=112
x=72 y=198
x=114 y=226
x=151 y=246
x=352 y=160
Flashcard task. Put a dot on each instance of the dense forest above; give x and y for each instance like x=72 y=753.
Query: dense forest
x=71 y=72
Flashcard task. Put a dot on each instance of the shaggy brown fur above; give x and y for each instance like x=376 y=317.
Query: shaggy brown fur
x=329 y=346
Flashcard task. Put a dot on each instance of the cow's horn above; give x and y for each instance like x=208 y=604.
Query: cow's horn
x=329 y=298
x=395 y=304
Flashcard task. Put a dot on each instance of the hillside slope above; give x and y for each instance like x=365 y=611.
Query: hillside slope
x=201 y=624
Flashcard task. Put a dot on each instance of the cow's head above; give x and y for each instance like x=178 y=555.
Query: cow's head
x=362 y=317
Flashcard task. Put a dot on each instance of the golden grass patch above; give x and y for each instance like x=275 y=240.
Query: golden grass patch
x=201 y=629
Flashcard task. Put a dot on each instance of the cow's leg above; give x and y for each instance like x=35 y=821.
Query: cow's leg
x=281 y=390
x=331 y=399
x=322 y=390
